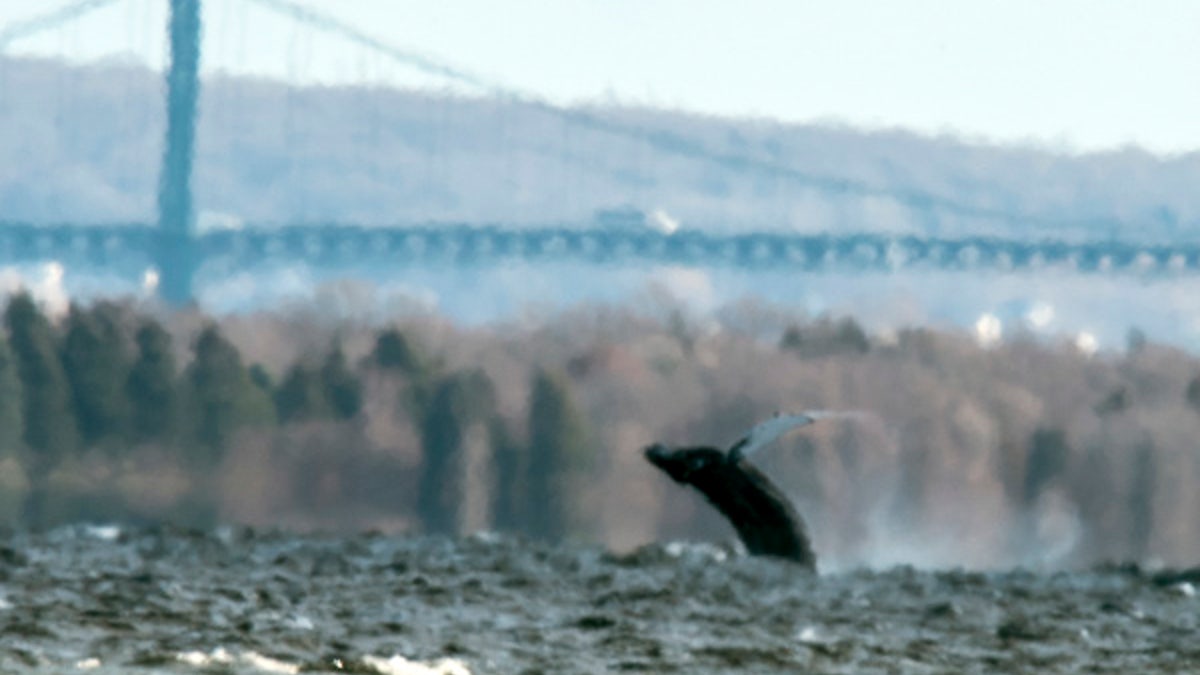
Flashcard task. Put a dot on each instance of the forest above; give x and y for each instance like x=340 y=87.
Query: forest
x=1027 y=452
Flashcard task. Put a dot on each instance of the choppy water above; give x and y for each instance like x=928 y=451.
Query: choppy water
x=165 y=601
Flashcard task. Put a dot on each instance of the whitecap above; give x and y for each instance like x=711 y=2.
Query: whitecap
x=301 y=622
x=200 y=659
x=1186 y=589
x=221 y=657
x=268 y=664
x=808 y=634
x=103 y=532
x=679 y=549
x=487 y=537
x=398 y=665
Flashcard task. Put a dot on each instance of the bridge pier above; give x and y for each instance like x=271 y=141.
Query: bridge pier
x=176 y=255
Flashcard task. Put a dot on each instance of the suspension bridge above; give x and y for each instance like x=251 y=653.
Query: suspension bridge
x=177 y=249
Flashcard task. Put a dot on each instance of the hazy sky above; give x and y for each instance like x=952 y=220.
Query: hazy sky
x=1077 y=74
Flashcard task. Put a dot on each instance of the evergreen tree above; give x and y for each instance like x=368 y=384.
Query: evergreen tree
x=460 y=400
x=1192 y=393
x=1048 y=455
x=826 y=338
x=223 y=398
x=1141 y=498
x=342 y=388
x=260 y=378
x=97 y=367
x=509 y=511
x=394 y=352
x=14 y=485
x=557 y=450
x=12 y=423
x=50 y=432
x=152 y=388
x=441 y=440
x=301 y=395
x=49 y=427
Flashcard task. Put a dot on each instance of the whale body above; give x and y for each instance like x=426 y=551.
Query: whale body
x=760 y=512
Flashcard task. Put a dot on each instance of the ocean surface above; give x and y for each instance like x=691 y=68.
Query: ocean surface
x=106 y=599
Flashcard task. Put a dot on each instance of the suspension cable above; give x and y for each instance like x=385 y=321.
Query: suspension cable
x=19 y=30
x=666 y=141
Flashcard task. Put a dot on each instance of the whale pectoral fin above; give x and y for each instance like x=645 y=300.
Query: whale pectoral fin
x=735 y=452
x=765 y=432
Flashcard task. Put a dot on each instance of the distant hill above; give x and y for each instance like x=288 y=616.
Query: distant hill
x=83 y=144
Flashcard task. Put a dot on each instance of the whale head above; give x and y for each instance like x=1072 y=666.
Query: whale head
x=681 y=464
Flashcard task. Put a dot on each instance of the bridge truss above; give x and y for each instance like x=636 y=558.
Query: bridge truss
x=132 y=248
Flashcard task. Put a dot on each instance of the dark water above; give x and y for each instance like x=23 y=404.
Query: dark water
x=86 y=599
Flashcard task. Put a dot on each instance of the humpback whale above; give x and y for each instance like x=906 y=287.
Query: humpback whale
x=763 y=516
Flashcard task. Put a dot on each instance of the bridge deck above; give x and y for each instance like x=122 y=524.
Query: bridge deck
x=134 y=247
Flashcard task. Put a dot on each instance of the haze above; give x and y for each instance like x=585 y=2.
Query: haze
x=1072 y=75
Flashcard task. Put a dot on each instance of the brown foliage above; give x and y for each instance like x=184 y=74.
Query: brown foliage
x=1023 y=453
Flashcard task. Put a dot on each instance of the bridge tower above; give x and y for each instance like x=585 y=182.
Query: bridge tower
x=176 y=257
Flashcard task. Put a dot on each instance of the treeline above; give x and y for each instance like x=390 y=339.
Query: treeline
x=1027 y=452
x=103 y=388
